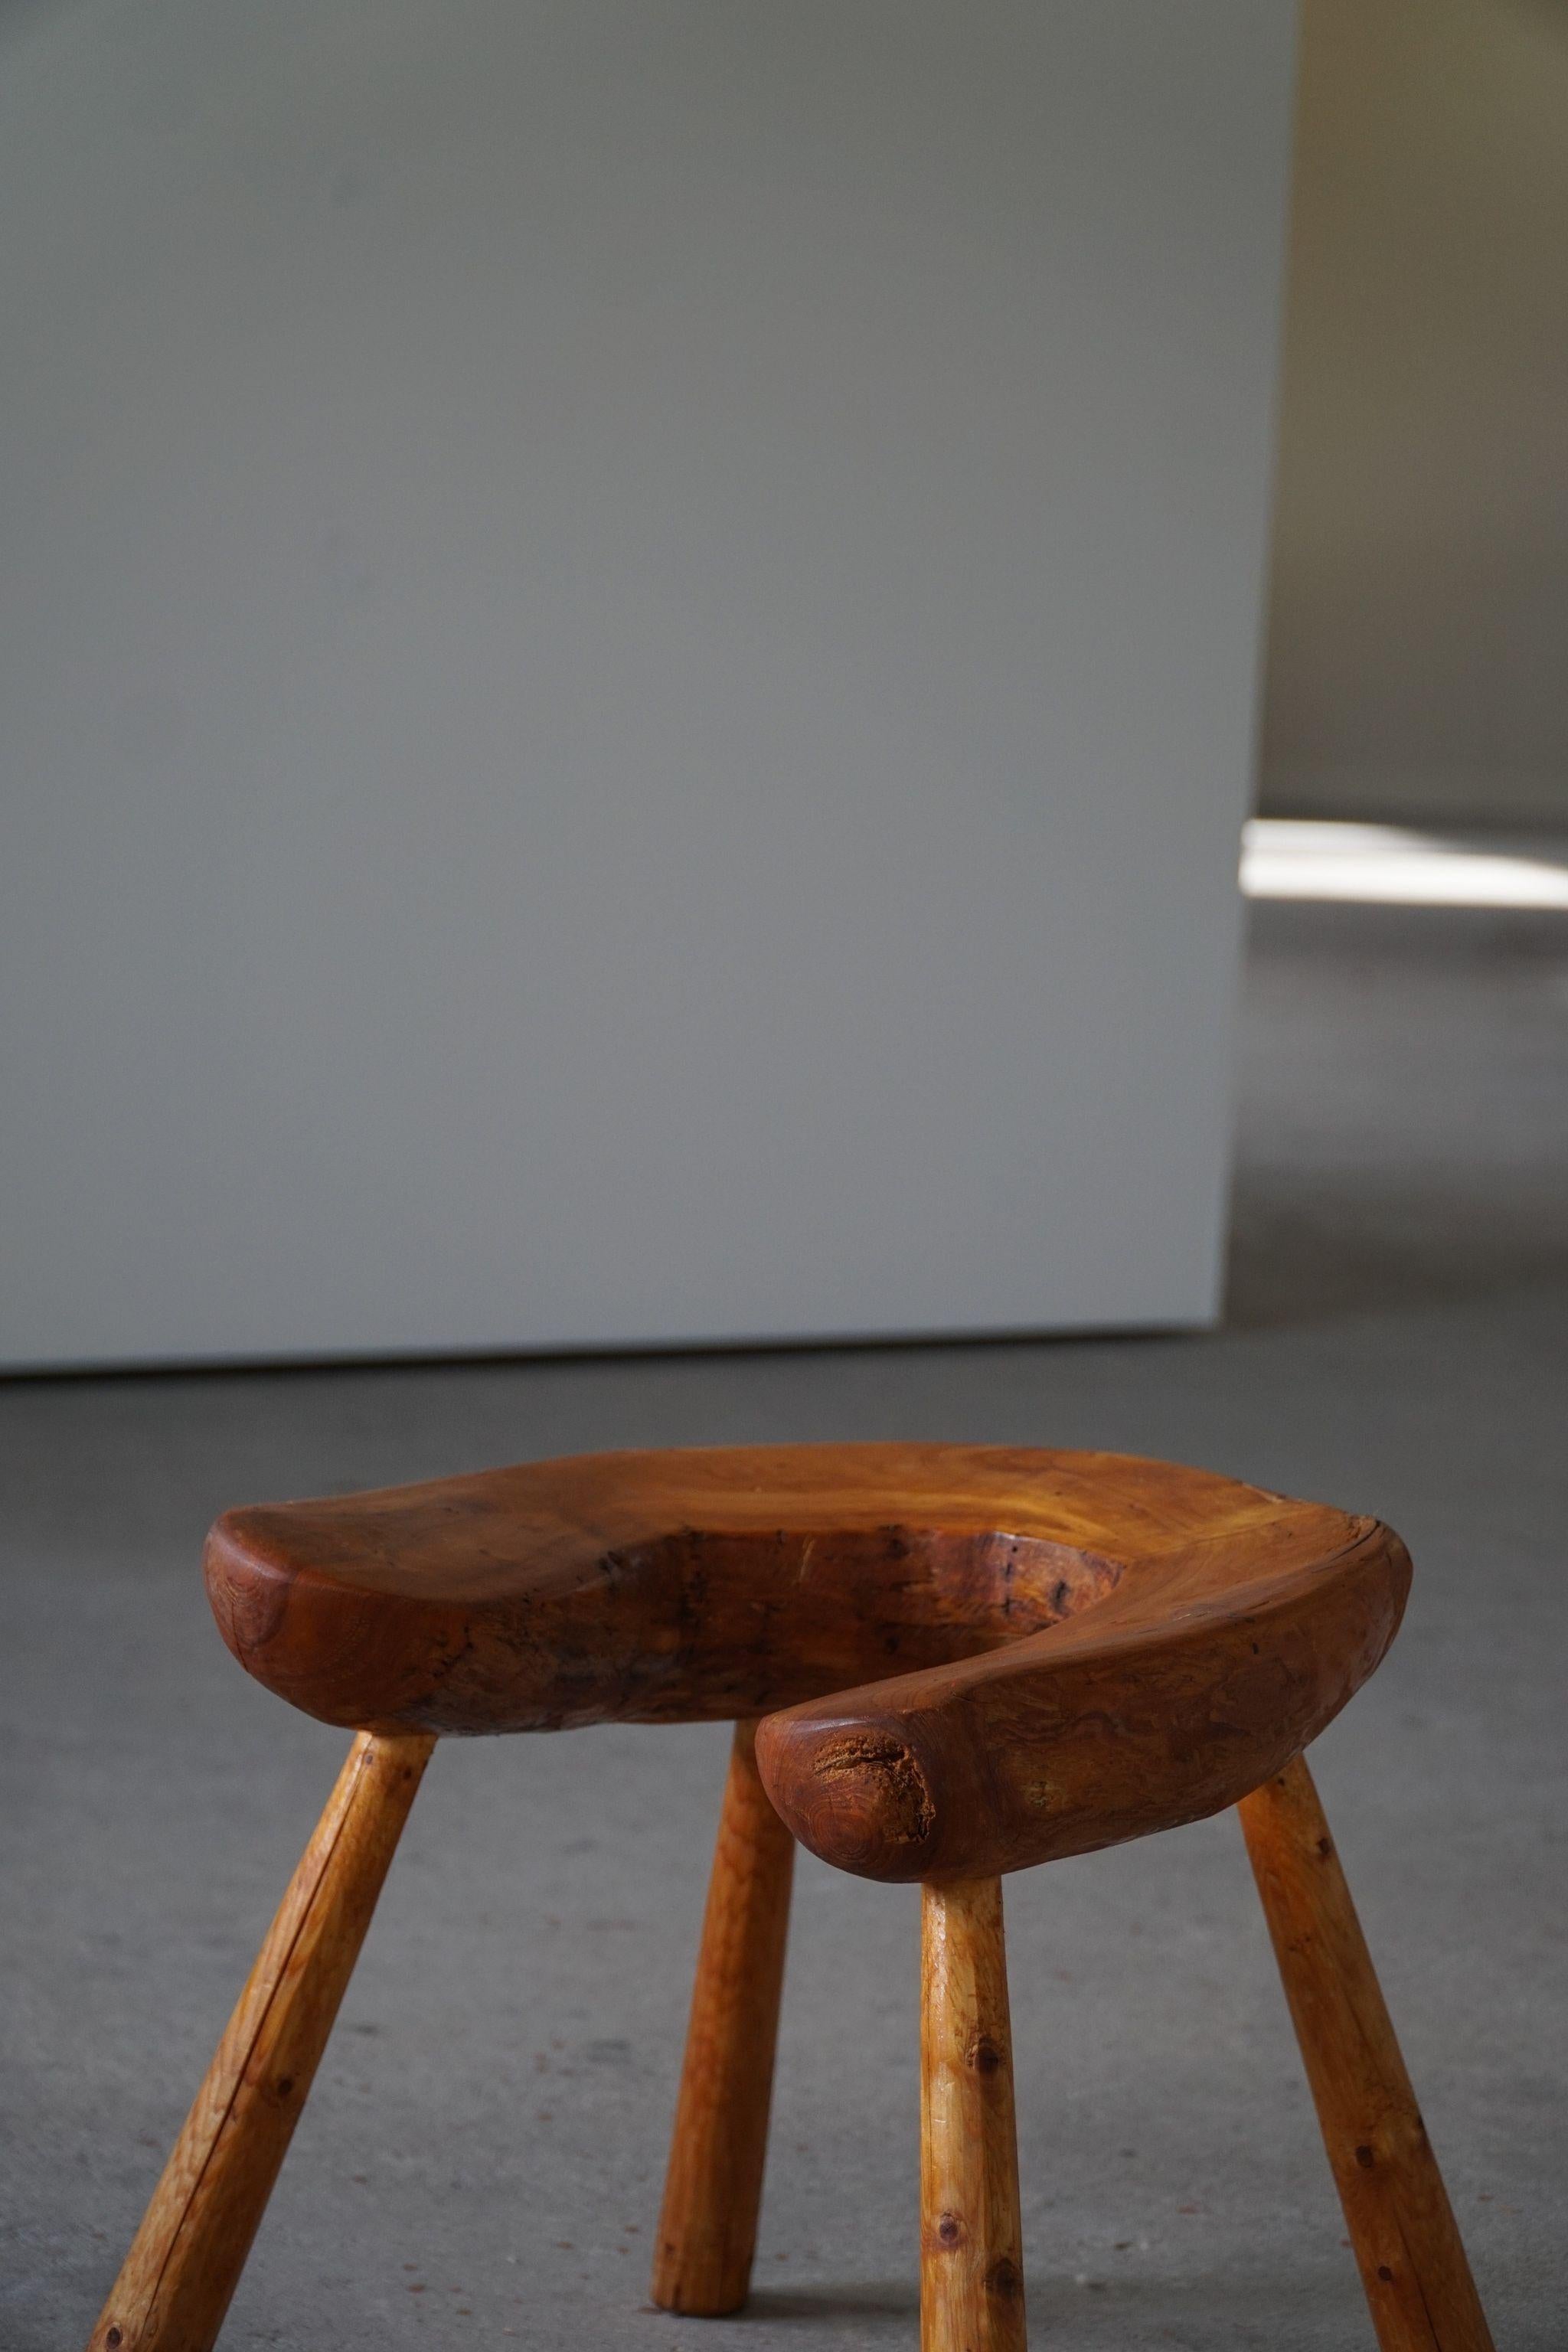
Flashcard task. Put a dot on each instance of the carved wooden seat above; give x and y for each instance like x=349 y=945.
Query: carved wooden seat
x=943 y=1663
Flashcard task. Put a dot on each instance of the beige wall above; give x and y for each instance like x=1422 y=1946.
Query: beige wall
x=1418 y=646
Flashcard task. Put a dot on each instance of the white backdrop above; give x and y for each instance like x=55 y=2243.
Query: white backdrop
x=628 y=664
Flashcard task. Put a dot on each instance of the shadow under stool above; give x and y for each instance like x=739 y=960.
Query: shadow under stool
x=943 y=1663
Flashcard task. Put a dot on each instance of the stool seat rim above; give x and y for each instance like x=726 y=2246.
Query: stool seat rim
x=966 y=1653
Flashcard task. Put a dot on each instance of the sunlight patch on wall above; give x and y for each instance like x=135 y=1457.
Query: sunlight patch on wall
x=1382 y=864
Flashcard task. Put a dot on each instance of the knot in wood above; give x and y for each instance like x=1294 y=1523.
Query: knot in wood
x=984 y=2055
x=1002 y=2279
x=889 y=1775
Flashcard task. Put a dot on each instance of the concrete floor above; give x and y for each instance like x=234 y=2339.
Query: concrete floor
x=482 y=2159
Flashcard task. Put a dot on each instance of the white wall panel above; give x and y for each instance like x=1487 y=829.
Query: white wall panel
x=627 y=665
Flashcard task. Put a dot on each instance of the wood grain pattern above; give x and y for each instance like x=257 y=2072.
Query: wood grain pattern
x=1407 y=2243
x=175 y=2283
x=1197 y=1675
x=972 y=1658
x=713 y=2187
x=972 y=2254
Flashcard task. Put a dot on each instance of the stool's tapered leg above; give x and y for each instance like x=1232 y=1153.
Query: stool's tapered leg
x=713 y=2188
x=972 y=2262
x=175 y=2283
x=1401 y=2224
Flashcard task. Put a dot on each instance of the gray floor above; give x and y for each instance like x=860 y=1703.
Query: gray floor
x=482 y=2159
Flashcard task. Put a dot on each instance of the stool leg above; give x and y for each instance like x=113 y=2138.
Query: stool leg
x=175 y=2283
x=1402 y=2226
x=713 y=2188
x=972 y=2262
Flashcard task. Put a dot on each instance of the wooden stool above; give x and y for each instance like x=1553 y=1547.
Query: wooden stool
x=943 y=1663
